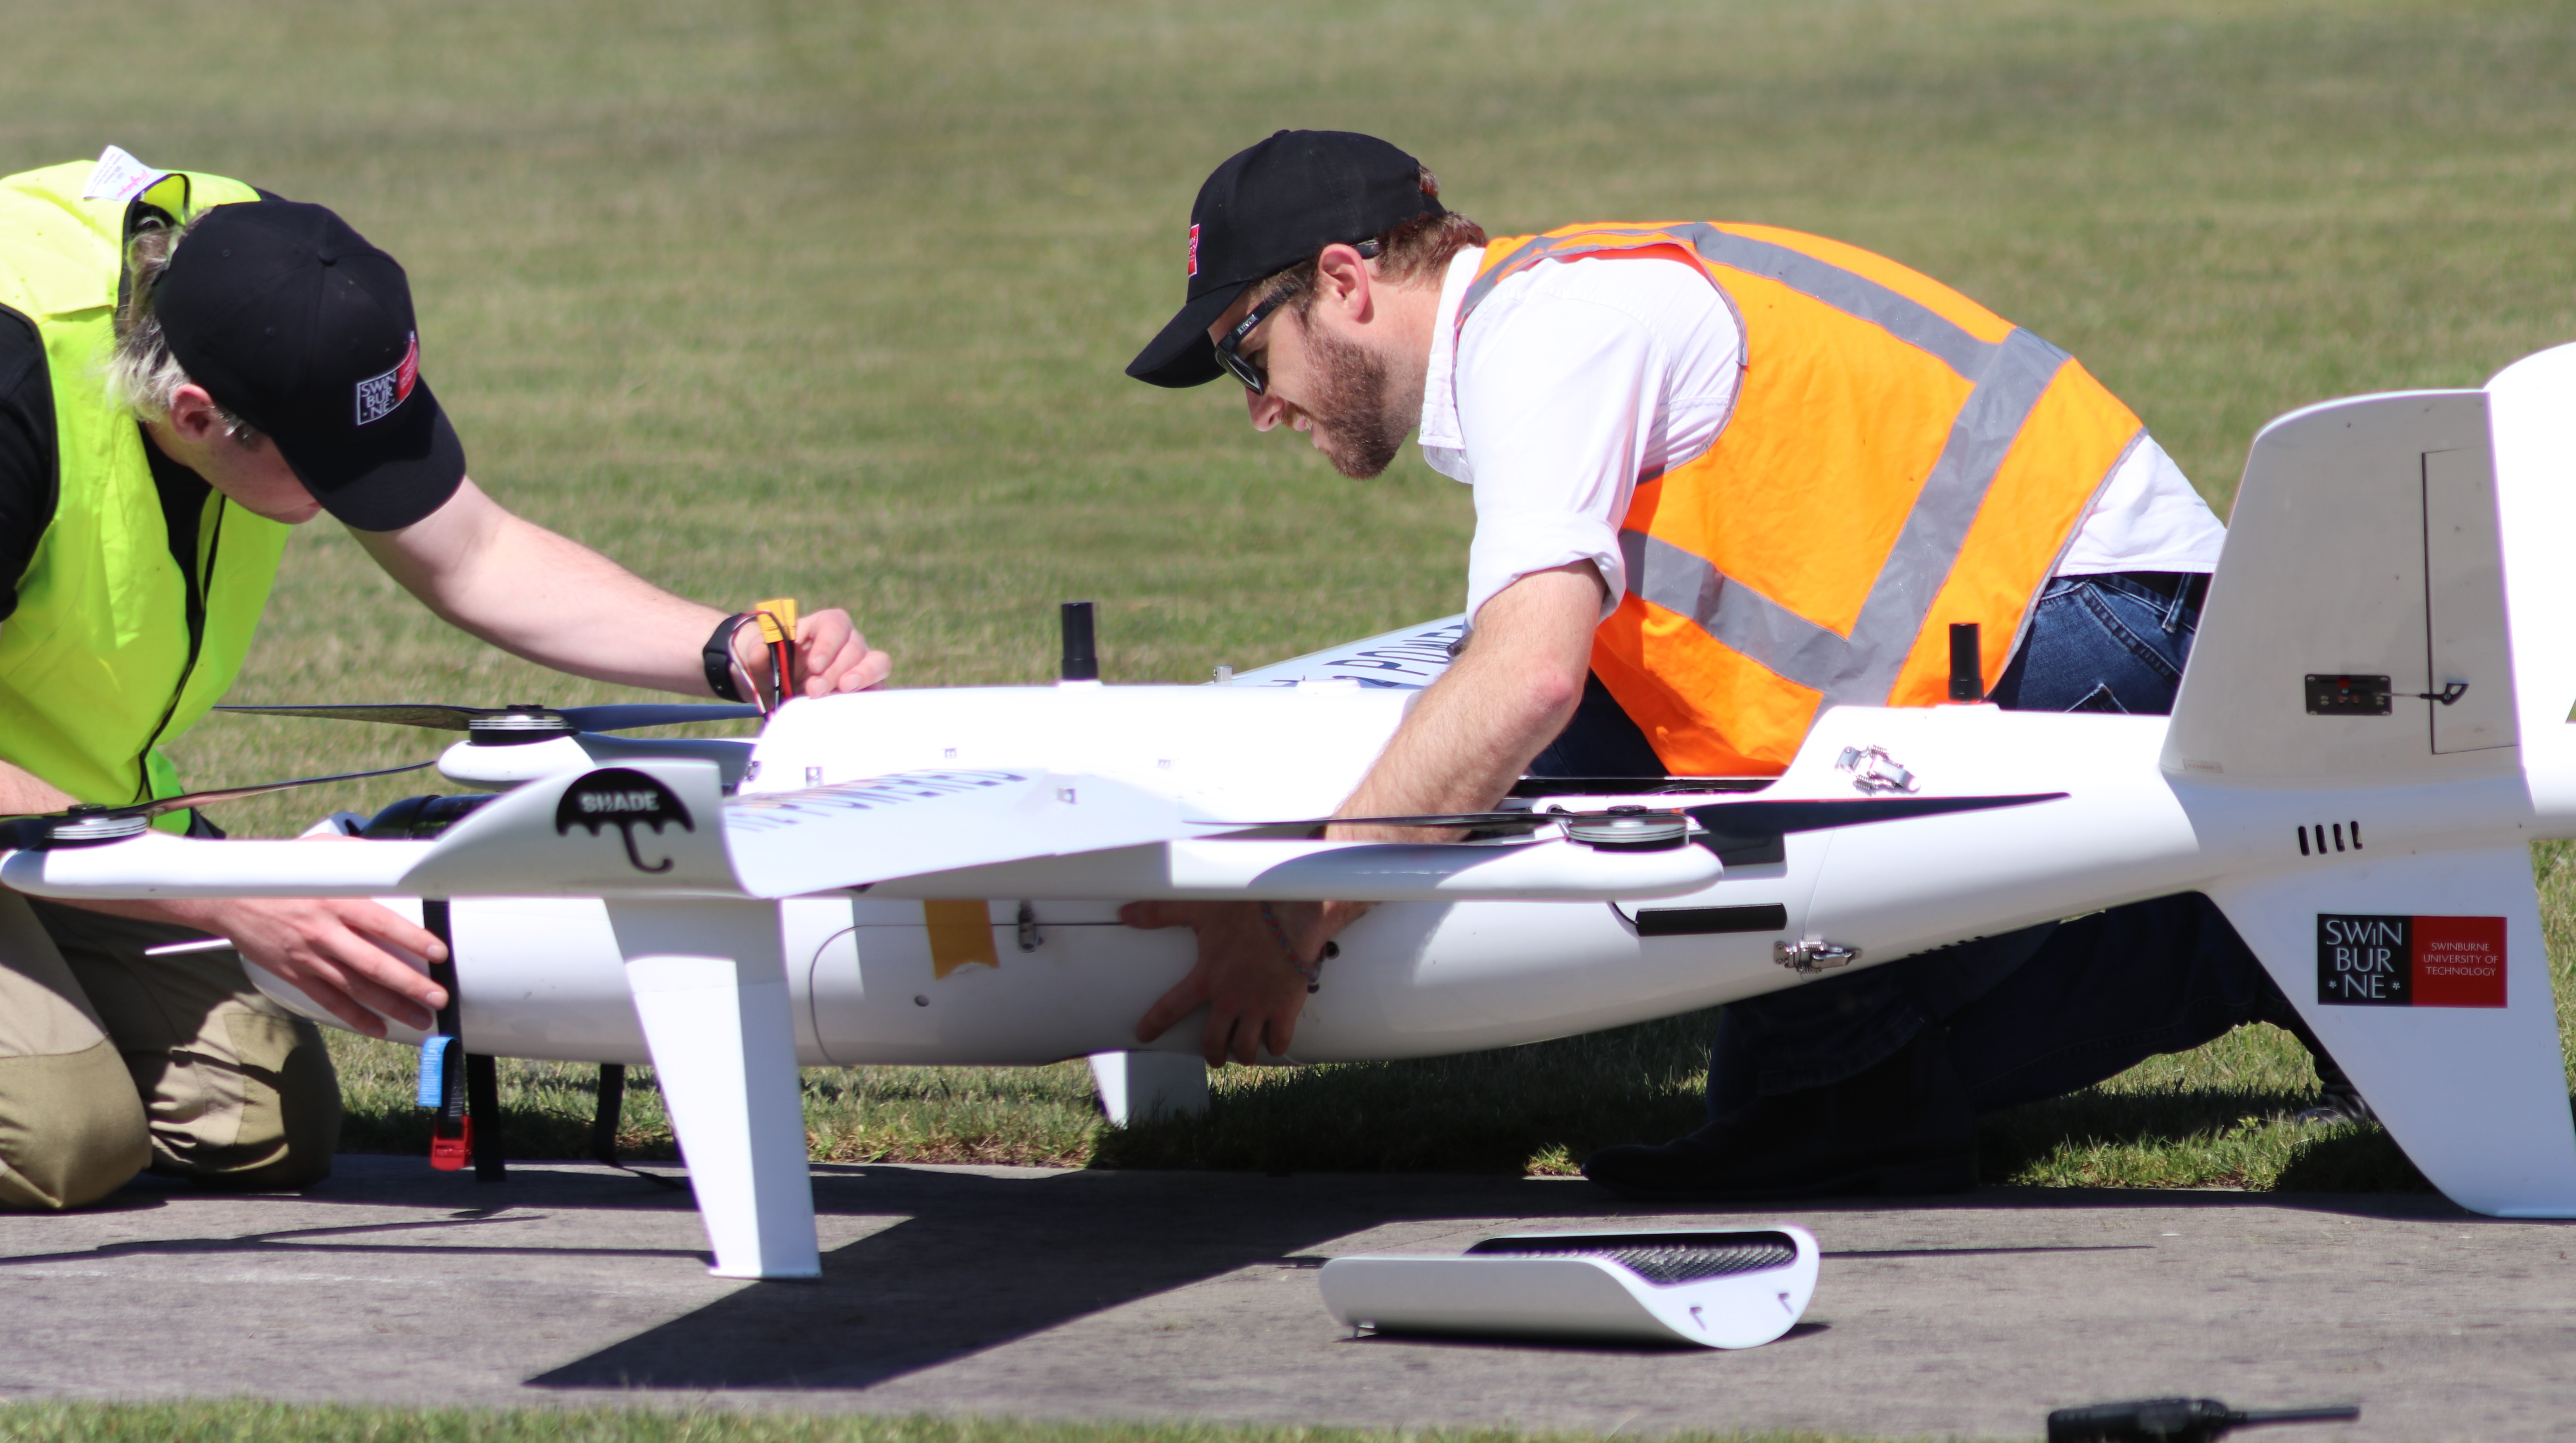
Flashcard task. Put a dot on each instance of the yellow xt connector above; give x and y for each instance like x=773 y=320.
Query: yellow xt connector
x=777 y=619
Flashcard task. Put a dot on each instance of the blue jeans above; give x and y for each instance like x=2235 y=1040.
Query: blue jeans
x=2032 y=1013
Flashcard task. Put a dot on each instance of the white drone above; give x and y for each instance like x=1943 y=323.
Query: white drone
x=2371 y=732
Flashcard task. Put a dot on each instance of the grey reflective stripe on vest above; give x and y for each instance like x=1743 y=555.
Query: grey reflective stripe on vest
x=1737 y=615
x=2008 y=377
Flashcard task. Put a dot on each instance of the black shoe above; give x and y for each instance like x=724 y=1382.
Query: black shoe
x=2338 y=1101
x=2335 y=1106
x=1904 y=1126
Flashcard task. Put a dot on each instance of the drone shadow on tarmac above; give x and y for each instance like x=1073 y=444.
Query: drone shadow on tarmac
x=980 y=1260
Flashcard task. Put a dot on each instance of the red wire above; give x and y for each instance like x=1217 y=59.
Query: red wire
x=782 y=663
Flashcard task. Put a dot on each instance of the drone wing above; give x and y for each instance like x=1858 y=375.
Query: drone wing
x=662 y=827
x=788 y=843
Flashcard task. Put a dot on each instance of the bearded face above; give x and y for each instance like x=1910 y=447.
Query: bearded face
x=1360 y=427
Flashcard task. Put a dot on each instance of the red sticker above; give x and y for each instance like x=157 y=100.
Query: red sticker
x=2459 y=961
x=1194 y=250
x=408 y=371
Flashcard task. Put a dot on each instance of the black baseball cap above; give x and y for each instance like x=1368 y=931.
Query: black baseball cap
x=291 y=321
x=1271 y=207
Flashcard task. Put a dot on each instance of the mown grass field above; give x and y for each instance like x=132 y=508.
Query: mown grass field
x=783 y=296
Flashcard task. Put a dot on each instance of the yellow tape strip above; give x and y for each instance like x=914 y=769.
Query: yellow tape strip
x=960 y=933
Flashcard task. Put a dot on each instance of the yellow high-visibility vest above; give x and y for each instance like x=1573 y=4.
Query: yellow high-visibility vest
x=112 y=650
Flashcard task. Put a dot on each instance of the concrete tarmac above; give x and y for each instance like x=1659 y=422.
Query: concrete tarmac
x=1126 y=1295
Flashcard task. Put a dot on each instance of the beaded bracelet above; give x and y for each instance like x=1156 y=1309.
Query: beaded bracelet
x=1313 y=971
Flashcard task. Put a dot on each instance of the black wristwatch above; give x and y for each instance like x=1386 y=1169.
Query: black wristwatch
x=719 y=657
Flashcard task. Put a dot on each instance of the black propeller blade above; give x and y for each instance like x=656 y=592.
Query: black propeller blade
x=91 y=825
x=1745 y=834
x=609 y=717
x=1773 y=818
x=628 y=715
x=234 y=794
x=1429 y=819
x=1620 y=828
x=438 y=718
x=1721 y=819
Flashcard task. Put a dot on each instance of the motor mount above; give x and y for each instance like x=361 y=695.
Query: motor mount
x=418 y=819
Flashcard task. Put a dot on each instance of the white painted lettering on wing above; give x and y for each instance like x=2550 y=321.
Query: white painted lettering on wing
x=773 y=810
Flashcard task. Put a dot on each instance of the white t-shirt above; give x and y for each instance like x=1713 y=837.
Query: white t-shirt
x=1576 y=378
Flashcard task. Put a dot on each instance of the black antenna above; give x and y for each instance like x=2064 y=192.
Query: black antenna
x=1080 y=662
x=1967 y=668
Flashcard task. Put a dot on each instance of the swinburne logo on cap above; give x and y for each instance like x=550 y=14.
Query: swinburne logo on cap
x=378 y=396
x=1194 y=250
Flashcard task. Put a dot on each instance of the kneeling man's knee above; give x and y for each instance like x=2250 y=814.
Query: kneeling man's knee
x=254 y=1103
x=71 y=1128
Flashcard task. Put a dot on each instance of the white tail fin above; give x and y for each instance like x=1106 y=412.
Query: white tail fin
x=2364 y=637
x=2363 y=551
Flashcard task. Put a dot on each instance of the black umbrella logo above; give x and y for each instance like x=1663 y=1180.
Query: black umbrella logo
x=623 y=798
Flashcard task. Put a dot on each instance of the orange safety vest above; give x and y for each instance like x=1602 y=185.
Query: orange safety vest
x=1899 y=458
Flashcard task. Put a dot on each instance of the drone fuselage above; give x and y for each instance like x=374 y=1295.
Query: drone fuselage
x=1043 y=972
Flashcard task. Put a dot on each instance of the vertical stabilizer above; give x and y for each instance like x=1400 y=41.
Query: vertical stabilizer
x=2390 y=619
x=2362 y=585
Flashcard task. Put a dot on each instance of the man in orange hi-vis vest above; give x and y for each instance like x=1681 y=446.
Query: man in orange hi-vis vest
x=1725 y=475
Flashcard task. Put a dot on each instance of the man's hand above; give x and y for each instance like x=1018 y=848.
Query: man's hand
x=835 y=657
x=1252 y=992
x=830 y=652
x=331 y=949
x=1459 y=750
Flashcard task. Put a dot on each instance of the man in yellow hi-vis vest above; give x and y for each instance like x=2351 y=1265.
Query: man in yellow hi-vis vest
x=1725 y=475
x=188 y=368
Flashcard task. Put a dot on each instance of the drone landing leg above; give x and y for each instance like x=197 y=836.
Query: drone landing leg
x=1137 y=1086
x=483 y=1104
x=711 y=990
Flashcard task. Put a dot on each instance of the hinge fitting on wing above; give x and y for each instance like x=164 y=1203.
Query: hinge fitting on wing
x=1811 y=955
x=1875 y=772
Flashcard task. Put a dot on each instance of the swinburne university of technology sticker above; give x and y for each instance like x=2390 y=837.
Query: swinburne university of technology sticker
x=379 y=395
x=2374 y=961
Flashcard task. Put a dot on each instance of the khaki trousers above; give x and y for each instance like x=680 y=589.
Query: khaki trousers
x=111 y=1061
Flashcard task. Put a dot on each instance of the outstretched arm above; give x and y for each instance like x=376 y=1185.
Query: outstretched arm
x=530 y=592
x=1498 y=706
x=560 y=604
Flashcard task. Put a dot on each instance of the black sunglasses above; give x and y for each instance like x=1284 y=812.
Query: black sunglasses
x=1242 y=367
x=1251 y=373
